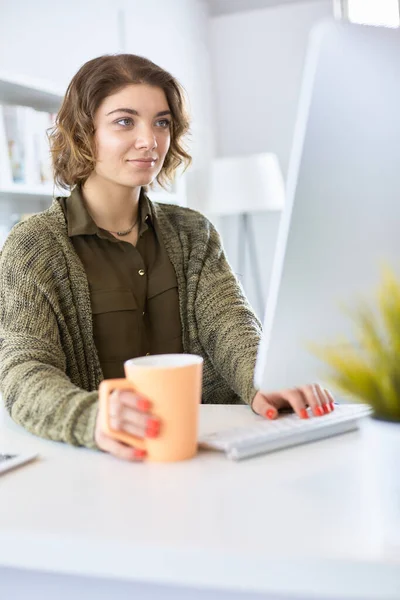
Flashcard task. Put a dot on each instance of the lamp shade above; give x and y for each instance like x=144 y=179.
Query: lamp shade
x=244 y=184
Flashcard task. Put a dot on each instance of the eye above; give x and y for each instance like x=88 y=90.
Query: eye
x=127 y=120
x=164 y=123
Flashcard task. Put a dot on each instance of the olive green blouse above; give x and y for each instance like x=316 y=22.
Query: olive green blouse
x=133 y=289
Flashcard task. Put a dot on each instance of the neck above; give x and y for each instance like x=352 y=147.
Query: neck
x=113 y=207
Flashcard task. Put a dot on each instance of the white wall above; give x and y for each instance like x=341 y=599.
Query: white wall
x=51 y=40
x=257 y=60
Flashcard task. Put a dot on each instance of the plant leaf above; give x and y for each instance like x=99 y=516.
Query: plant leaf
x=349 y=372
x=389 y=305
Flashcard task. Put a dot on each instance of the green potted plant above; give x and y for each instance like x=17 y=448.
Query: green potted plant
x=367 y=369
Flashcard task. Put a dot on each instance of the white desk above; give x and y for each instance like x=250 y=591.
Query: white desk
x=293 y=524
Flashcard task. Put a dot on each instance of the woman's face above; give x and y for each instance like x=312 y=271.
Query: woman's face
x=132 y=135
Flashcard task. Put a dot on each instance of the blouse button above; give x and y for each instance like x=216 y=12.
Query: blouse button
x=141 y=272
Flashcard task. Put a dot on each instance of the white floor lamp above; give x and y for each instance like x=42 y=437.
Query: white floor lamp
x=243 y=185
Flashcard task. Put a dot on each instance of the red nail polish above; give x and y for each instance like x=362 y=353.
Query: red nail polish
x=318 y=412
x=332 y=405
x=326 y=408
x=153 y=423
x=139 y=453
x=143 y=404
x=152 y=432
x=303 y=413
x=270 y=413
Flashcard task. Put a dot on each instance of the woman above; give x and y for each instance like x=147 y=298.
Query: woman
x=106 y=275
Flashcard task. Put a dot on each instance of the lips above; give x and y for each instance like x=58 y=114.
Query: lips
x=143 y=163
x=143 y=160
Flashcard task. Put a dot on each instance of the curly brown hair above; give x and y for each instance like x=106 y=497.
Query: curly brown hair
x=72 y=137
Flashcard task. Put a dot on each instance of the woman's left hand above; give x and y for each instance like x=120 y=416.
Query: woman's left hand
x=317 y=398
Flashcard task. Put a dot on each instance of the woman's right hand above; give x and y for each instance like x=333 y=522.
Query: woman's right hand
x=128 y=413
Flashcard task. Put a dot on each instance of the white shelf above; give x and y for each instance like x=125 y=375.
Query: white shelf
x=166 y=198
x=20 y=191
x=45 y=192
x=28 y=91
x=176 y=196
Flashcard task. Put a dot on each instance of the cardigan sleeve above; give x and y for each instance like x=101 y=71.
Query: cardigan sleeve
x=229 y=331
x=35 y=388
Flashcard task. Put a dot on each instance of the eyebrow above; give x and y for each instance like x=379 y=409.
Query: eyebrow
x=131 y=111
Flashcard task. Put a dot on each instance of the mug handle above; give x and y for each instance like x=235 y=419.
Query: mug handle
x=105 y=388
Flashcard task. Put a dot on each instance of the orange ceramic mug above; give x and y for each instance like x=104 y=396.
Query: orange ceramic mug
x=172 y=383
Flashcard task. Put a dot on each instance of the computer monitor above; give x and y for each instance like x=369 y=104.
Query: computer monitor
x=341 y=220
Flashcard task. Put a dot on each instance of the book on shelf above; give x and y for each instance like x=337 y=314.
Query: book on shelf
x=24 y=147
x=6 y=178
x=7 y=224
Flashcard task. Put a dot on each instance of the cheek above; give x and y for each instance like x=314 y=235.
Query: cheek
x=109 y=145
x=164 y=143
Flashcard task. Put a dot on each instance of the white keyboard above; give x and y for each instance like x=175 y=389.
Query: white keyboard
x=285 y=431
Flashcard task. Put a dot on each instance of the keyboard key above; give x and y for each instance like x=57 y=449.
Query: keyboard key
x=284 y=432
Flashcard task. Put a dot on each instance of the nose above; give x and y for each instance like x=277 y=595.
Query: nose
x=145 y=140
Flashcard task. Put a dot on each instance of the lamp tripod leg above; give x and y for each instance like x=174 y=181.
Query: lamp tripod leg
x=241 y=246
x=255 y=268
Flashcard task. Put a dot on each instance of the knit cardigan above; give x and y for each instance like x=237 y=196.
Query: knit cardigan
x=49 y=366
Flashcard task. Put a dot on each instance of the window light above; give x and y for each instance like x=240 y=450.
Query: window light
x=374 y=12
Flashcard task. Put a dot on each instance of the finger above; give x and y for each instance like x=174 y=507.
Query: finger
x=273 y=401
x=131 y=418
x=122 y=417
x=330 y=398
x=134 y=400
x=121 y=450
x=134 y=417
x=148 y=430
x=312 y=399
x=264 y=407
x=268 y=405
x=319 y=390
x=296 y=399
x=117 y=425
